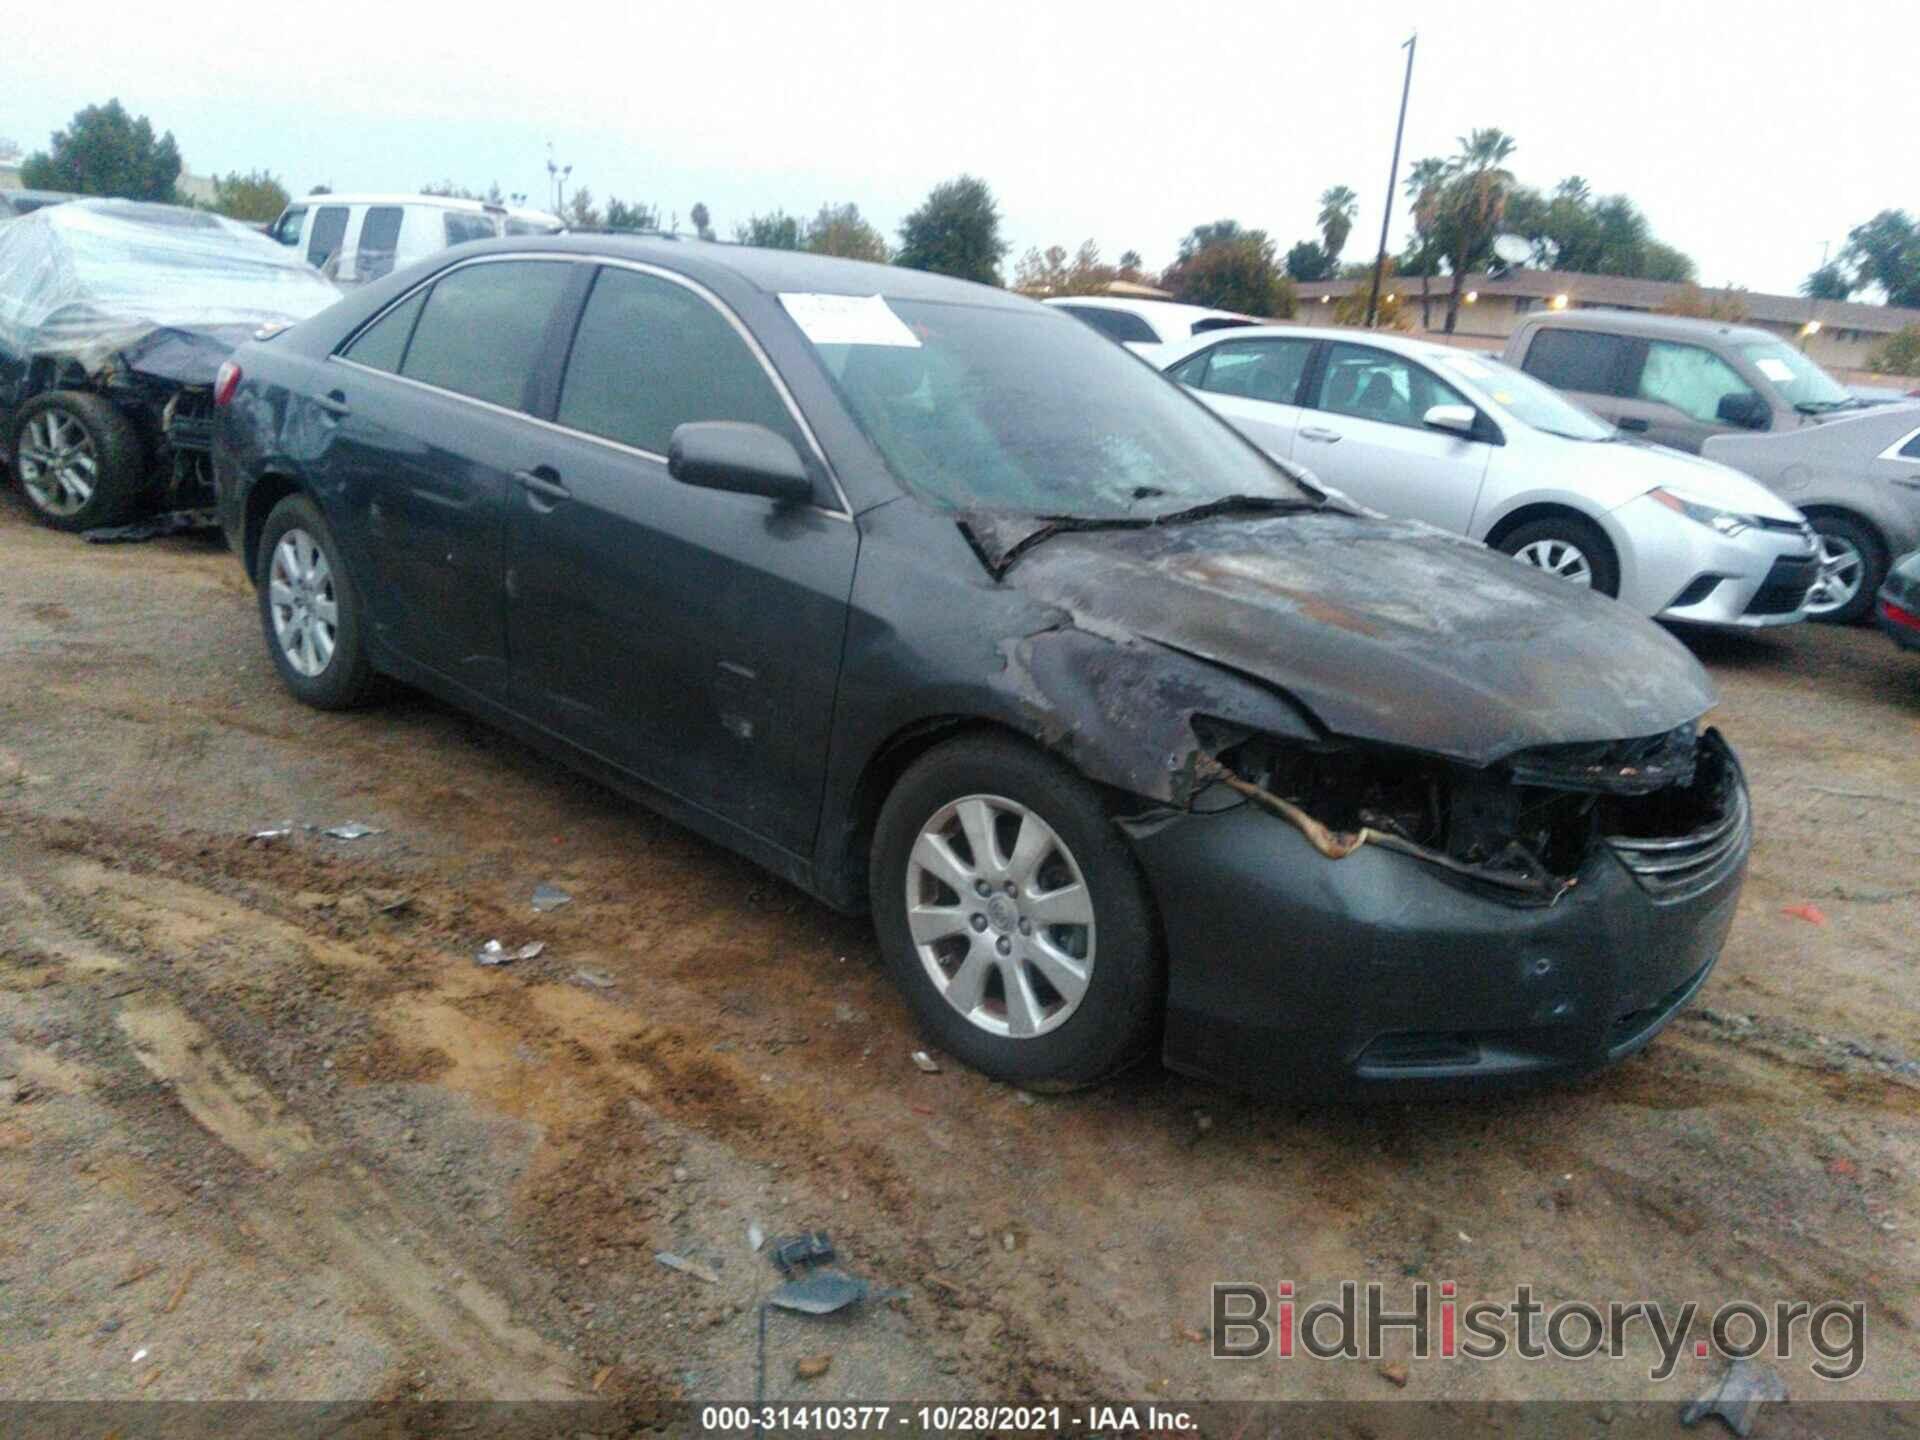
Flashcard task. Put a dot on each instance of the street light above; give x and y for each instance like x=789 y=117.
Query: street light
x=1393 y=178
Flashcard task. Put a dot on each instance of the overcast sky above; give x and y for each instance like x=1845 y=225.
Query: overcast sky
x=1749 y=133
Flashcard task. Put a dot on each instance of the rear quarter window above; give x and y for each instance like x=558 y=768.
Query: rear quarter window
x=462 y=228
x=1585 y=360
x=1120 y=325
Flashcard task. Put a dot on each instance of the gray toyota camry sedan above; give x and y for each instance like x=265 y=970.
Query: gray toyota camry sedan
x=935 y=603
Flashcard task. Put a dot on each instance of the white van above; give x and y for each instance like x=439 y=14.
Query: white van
x=357 y=238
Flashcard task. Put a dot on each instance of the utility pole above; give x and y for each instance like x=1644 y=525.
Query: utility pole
x=1393 y=180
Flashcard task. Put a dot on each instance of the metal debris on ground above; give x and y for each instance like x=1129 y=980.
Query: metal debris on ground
x=926 y=1062
x=549 y=897
x=686 y=1266
x=598 y=979
x=494 y=953
x=278 y=832
x=756 y=1237
x=796 y=1252
x=820 y=1294
x=174 y=522
x=1737 y=1396
x=352 y=830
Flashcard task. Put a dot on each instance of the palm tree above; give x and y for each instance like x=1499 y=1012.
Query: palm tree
x=1423 y=186
x=1473 y=204
x=1338 y=206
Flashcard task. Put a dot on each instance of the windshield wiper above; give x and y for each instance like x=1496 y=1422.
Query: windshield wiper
x=1821 y=407
x=1001 y=541
x=1229 y=504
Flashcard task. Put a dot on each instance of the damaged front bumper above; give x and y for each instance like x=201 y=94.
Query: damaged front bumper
x=1382 y=971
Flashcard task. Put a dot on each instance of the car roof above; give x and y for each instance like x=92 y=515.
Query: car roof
x=442 y=202
x=1389 y=340
x=1635 y=322
x=1172 y=310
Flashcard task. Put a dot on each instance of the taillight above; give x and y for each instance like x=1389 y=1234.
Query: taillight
x=1899 y=615
x=226 y=382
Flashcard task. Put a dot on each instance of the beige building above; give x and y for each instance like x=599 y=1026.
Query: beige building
x=1840 y=334
x=194 y=189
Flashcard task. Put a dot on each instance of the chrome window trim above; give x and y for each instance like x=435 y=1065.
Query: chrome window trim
x=1892 y=452
x=338 y=356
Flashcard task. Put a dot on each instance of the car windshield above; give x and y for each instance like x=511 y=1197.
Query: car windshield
x=980 y=407
x=1526 y=399
x=1803 y=384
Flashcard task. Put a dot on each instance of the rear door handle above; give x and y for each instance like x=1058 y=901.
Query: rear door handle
x=334 y=402
x=544 y=482
x=1635 y=424
x=1325 y=437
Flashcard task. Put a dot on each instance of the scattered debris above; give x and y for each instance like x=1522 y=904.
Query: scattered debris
x=1812 y=914
x=352 y=830
x=686 y=1266
x=756 y=1237
x=179 y=1290
x=1737 y=1396
x=1192 y=1336
x=796 y=1252
x=549 y=897
x=820 y=1294
x=134 y=1276
x=494 y=953
x=267 y=837
x=388 y=902
x=811 y=1367
x=1202 y=1121
x=604 y=1374
x=138 y=1356
x=598 y=979
x=1396 y=1374
x=928 y=1065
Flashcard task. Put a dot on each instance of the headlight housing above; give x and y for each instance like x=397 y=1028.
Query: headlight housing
x=1705 y=512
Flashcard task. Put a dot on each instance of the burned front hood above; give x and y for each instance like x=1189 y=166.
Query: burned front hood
x=1386 y=630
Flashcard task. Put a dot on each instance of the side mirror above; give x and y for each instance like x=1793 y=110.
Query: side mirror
x=1457 y=418
x=745 y=459
x=1745 y=409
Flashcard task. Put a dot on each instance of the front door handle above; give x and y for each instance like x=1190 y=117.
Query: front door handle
x=544 y=482
x=1325 y=437
x=1635 y=423
x=334 y=402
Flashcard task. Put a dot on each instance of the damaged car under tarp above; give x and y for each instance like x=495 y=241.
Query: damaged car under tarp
x=115 y=317
x=937 y=604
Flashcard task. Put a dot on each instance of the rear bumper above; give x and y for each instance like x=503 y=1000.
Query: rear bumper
x=1378 y=974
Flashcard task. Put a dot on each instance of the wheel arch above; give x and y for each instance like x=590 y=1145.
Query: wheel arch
x=1841 y=509
x=273 y=485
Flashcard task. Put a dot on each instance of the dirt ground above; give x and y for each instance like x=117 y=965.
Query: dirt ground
x=267 y=1131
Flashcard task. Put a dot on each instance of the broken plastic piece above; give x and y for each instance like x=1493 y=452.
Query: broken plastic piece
x=352 y=830
x=549 y=897
x=686 y=1266
x=173 y=522
x=1812 y=914
x=494 y=953
x=279 y=832
x=756 y=1237
x=598 y=979
x=1737 y=1397
x=820 y=1294
x=926 y=1062
x=796 y=1252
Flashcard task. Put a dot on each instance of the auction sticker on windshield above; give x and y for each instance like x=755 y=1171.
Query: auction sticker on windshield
x=848 y=320
x=1775 y=369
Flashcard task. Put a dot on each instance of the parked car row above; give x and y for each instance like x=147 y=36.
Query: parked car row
x=1128 y=734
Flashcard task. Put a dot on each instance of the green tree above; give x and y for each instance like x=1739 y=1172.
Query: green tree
x=774 y=231
x=1131 y=267
x=1472 y=207
x=1307 y=262
x=843 y=231
x=1571 y=229
x=702 y=221
x=956 y=231
x=106 y=151
x=257 y=197
x=1828 y=282
x=1886 y=252
x=447 y=190
x=321 y=190
x=1425 y=182
x=1230 y=268
x=1899 y=355
x=1051 y=272
x=1338 y=206
x=638 y=216
x=581 y=212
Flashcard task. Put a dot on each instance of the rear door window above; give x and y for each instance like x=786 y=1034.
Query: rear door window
x=482 y=329
x=383 y=344
x=1583 y=360
x=379 y=242
x=462 y=227
x=1258 y=369
x=328 y=230
x=1692 y=380
x=650 y=355
x=1121 y=325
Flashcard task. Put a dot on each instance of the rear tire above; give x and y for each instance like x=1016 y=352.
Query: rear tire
x=1054 y=983
x=78 y=459
x=1568 y=548
x=310 y=609
x=1851 y=553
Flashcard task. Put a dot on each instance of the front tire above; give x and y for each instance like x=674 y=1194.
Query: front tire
x=310 y=609
x=79 y=460
x=1853 y=566
x=1014 y=917
x=1568 y=548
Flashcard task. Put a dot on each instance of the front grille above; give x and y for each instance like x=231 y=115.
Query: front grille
x=1680 y=867
x=188 y=420
x=1785 y=588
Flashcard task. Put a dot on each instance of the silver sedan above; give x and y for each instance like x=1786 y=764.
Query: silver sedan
x=1466 y=443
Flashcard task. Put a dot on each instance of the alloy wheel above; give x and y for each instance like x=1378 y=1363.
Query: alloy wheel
x=1000 y=916
x=1561 y=558
x=58 y=463
x=1842 y=567
x=306 y=610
